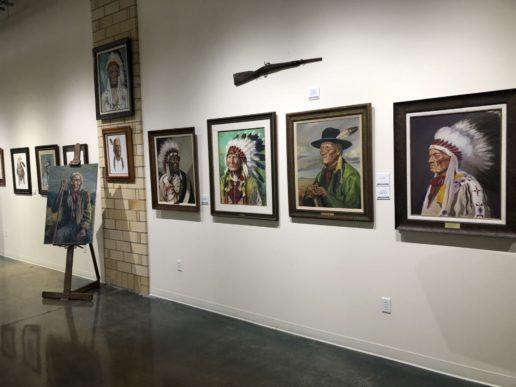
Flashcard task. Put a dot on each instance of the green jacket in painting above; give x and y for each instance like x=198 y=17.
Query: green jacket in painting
x=343 y=189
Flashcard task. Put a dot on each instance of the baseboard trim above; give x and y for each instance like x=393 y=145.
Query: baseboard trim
x=50 y=265
x=441 y=366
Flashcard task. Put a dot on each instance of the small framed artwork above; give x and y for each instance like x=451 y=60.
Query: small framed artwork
x=113 y=80
x=20 y=161
x=243 y=168
x=174 y=169
x=454 y=166
x=46 y=156
x=329 y=163
x=69 y=153
x=2 y=168
x=118 y=152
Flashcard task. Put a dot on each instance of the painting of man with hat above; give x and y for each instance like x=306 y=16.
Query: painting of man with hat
x=337 y=185
x=330 y=167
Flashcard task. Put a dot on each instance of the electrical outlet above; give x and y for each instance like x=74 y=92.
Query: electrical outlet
x=179 y=265
x=386 y=305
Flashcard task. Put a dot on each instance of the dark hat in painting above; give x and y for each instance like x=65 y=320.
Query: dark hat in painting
x=331 y=135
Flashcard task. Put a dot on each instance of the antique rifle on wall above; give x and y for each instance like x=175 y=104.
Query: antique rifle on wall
x=269 y=68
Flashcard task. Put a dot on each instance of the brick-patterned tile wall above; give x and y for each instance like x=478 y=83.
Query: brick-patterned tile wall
x=123 y=205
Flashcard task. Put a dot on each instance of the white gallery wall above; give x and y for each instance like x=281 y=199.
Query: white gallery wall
x=46 y=97
x=453 y=298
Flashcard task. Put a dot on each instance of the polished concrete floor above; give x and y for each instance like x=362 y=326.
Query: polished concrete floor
x=122 y=339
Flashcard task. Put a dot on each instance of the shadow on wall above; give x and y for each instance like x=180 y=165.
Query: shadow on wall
x=2 y=235
x=467 y=301
x=99 y=236
x=336 y=223
x=178 y=215
x=454 y=240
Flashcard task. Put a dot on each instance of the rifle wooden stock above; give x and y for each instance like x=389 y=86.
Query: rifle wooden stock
x=268 y=68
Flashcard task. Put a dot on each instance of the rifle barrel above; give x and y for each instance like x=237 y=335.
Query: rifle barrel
x=269 y=68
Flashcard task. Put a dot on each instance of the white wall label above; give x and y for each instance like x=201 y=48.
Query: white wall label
x=313 y=93
x=205 y=199
x=383 y=193
x=383 y=186
x=383 y=178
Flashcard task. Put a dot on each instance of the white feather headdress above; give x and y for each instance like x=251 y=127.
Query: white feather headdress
x=467 y=143
x=168 y=147
x=251 y=152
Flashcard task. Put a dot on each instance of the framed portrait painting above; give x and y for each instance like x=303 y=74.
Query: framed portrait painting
x=70 y=212
x=243 y=170
x=46 y=156
x=69 y=153
x=113 y=79
x=453 y=164
x=329 y=163
x=118 y=152
x=2 y=168
x=20 y=161
x=174 y=169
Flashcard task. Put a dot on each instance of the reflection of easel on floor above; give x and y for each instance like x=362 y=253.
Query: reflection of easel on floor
x=80 y=293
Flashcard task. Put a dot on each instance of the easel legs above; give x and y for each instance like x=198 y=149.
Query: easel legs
x=80 y=293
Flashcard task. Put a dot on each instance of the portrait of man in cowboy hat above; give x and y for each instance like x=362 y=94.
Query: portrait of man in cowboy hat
x=338 y=183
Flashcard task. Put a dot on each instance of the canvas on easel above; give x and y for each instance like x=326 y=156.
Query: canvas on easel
x=70 y=215
x=71 y=205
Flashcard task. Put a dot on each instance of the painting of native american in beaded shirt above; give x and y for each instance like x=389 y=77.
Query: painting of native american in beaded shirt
x=455 y=164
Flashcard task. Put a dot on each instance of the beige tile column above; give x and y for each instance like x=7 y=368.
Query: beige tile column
x=123 y=205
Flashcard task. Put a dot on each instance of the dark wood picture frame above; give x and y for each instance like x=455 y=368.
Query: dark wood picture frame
x=18 y=151
x=118 y=52
x=315 y=123
x=127 y=134
x=246 y=124
x=490 y=104
x=55 y=149
x=181 y=137
x=2 y=168
x=71 y=148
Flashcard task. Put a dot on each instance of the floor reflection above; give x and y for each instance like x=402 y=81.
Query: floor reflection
x=122 y=339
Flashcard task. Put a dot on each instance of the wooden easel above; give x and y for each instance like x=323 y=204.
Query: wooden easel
x=80 y=293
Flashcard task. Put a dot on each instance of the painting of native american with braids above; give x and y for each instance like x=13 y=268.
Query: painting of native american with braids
x=242 y=166
x=242 y=169
x=174 y=169
x=455 y=163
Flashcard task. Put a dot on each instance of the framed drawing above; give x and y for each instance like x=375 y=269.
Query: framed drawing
x=71 y=205
x=69 y=150
x=243 y=170
x=174 y=170
x=46 y=156
x=20 y=161
x=113 y=80
x=454 y=165
x=2 y=168
x=118 y=152
x=329 y=163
